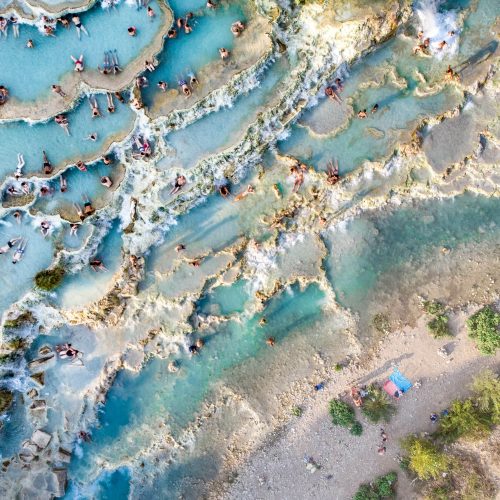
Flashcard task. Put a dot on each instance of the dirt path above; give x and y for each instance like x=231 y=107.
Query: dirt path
x=278 y=470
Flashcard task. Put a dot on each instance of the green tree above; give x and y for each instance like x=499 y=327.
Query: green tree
x=424 y=459
x=486 y=390
x=463 y=420
x=377 y=406
x=483 y=328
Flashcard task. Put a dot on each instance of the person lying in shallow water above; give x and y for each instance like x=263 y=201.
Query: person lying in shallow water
x=47 y=166
x=249 y=190
x=179 y=182
x=184 y=87
x=19 y=253
x=331 y=94
x=97 y=265
x=79 y=67
x=94 y=106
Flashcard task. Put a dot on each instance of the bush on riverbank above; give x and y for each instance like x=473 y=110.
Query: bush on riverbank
x=49 y=278
x=343 y=415
x=424 y=458
x=483 y=328
x=448 y=471
x=382 y=487
x=438 y=326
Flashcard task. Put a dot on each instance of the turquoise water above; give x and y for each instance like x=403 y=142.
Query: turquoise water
x=62 y=149
x=79 y=184
x=144 y=406
x=189 y=53
x=226 y=299
x=375 y=137
x=369 y=248
x=38 y=255
x=136 y=400
x=16 y=60
x=88 y=285
x=195 y=141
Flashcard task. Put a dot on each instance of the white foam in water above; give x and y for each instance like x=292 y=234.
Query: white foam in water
x=437 y=26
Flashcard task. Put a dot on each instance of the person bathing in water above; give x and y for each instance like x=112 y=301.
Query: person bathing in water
x=185 y=89
x=237 y=28
x=18 y=254
x=19 y=167
x=179 y=182
x=249 y=190
x=94 y=106
x=78 y=63
x=79 y=26
x=97 y=265
x=111 y=104
x=47 y=166
x=332 y=94
x=115 y=62
x=106 y=65
x=62 y=121
x=63 y=184
x=224 y=53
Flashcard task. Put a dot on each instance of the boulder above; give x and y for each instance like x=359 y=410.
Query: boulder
x=63 y=455
x=41 y=363
x=41 y=438
x=38 y=404
x=39 y=378
x=61 y=476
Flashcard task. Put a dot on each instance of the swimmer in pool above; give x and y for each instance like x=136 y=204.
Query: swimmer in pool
x=47 y=166
x=20 y=165
x=185 y=89
x=116 y=63
x=111 y=104
x=162 y=86
x=224 y=53
x=106 y=181
x=179 y=182
x=330 y=92
x=94 y=106
x=18 y=255
x=63 y=184
x=73 y=229
x=249 y=190
x=78 y=63
x=79 y=26
x=58 y=90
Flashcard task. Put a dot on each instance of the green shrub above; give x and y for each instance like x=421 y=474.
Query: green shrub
x=296 y=411
x=382 y=487
x=486 y=390
x=342 y=414
x=438 y=327
x=433 y=307
x=424 y=459
x=16 y=344
x=49 y=278
x=24 y=318
x=356 y=429
x=338 y=367
x=377 y=406
x=483 y=328
x=463 y=420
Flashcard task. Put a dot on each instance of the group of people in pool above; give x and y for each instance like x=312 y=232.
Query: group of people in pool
x=19 y=251
x=425 y=43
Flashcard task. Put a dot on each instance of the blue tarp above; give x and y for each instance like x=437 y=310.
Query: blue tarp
x=400 y=380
